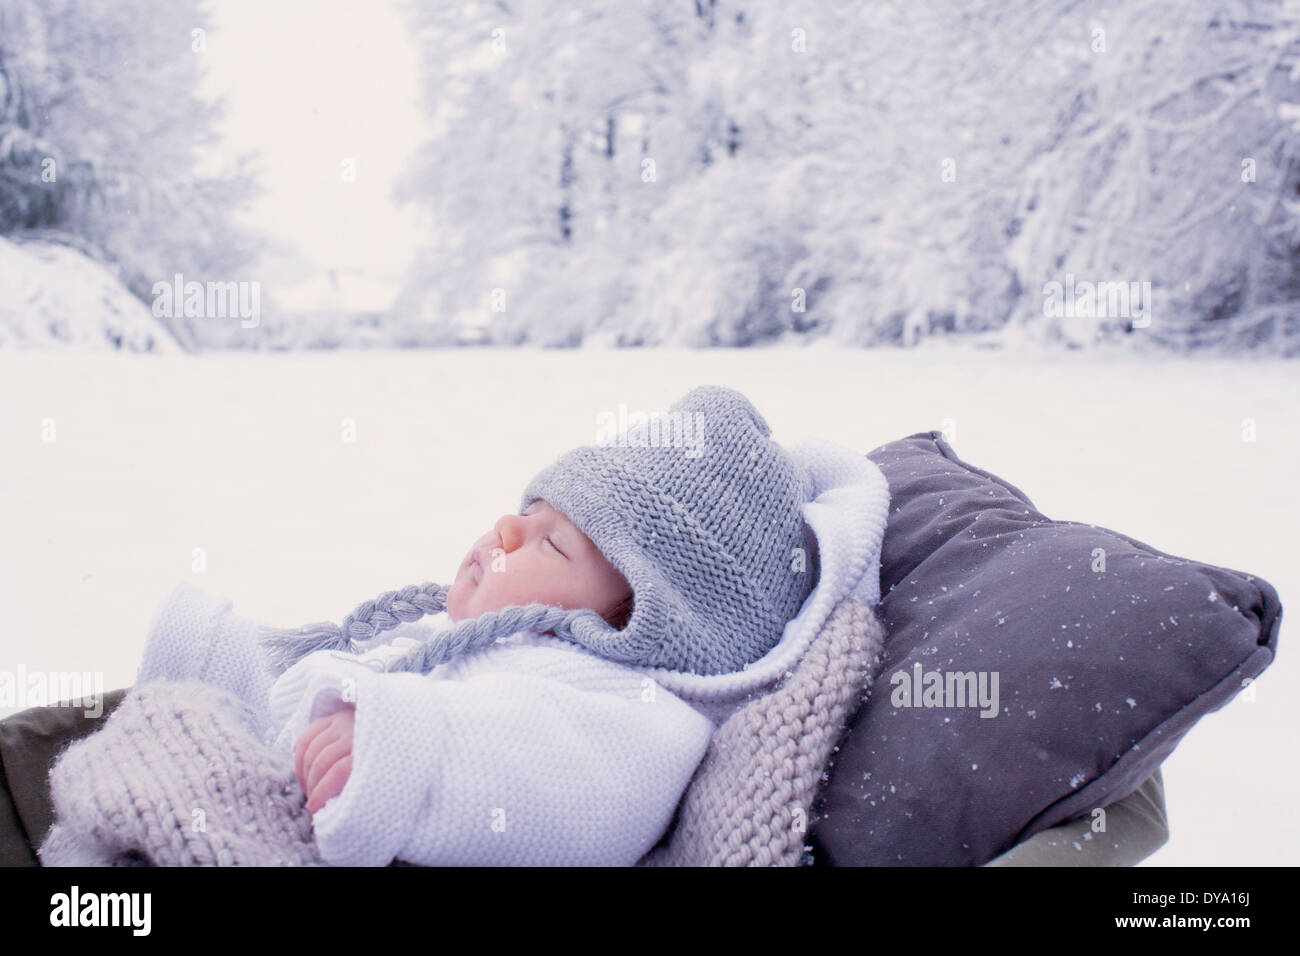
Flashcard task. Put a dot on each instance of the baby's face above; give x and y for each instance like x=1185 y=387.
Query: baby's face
x=537 y=556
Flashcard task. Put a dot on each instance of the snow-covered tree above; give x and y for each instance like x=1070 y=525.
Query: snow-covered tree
x=737 y=172
x=101 y=134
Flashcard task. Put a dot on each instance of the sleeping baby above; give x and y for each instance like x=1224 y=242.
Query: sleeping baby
x=552 y=704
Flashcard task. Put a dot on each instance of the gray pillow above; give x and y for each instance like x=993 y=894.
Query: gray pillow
x=1105 y=651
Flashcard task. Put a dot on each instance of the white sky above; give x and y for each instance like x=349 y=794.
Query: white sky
x=307 y=84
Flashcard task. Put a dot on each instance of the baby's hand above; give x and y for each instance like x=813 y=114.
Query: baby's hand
x=323 y=757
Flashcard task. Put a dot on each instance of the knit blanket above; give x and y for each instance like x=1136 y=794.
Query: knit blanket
x=177 y=775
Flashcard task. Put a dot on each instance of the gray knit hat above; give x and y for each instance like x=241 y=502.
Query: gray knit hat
x=698 y=509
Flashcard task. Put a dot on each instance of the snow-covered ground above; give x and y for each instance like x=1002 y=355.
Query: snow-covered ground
x=120 y=475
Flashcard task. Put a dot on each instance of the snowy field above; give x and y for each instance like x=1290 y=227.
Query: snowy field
x=235 y=472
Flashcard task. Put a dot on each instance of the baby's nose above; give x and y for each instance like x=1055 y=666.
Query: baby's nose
x=509 y=528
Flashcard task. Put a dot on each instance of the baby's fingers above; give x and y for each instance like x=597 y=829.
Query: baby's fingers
x=322 y=760
x=331 y=784
x=300 y=748
x=315 y=738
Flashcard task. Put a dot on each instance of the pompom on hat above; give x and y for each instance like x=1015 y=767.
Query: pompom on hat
x=700 y=511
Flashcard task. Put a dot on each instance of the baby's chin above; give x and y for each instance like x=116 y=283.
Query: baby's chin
x=460 y=605
x=459 y=594
x=455 y=605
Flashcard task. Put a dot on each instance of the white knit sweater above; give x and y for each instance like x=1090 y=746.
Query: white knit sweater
x=532 y=751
